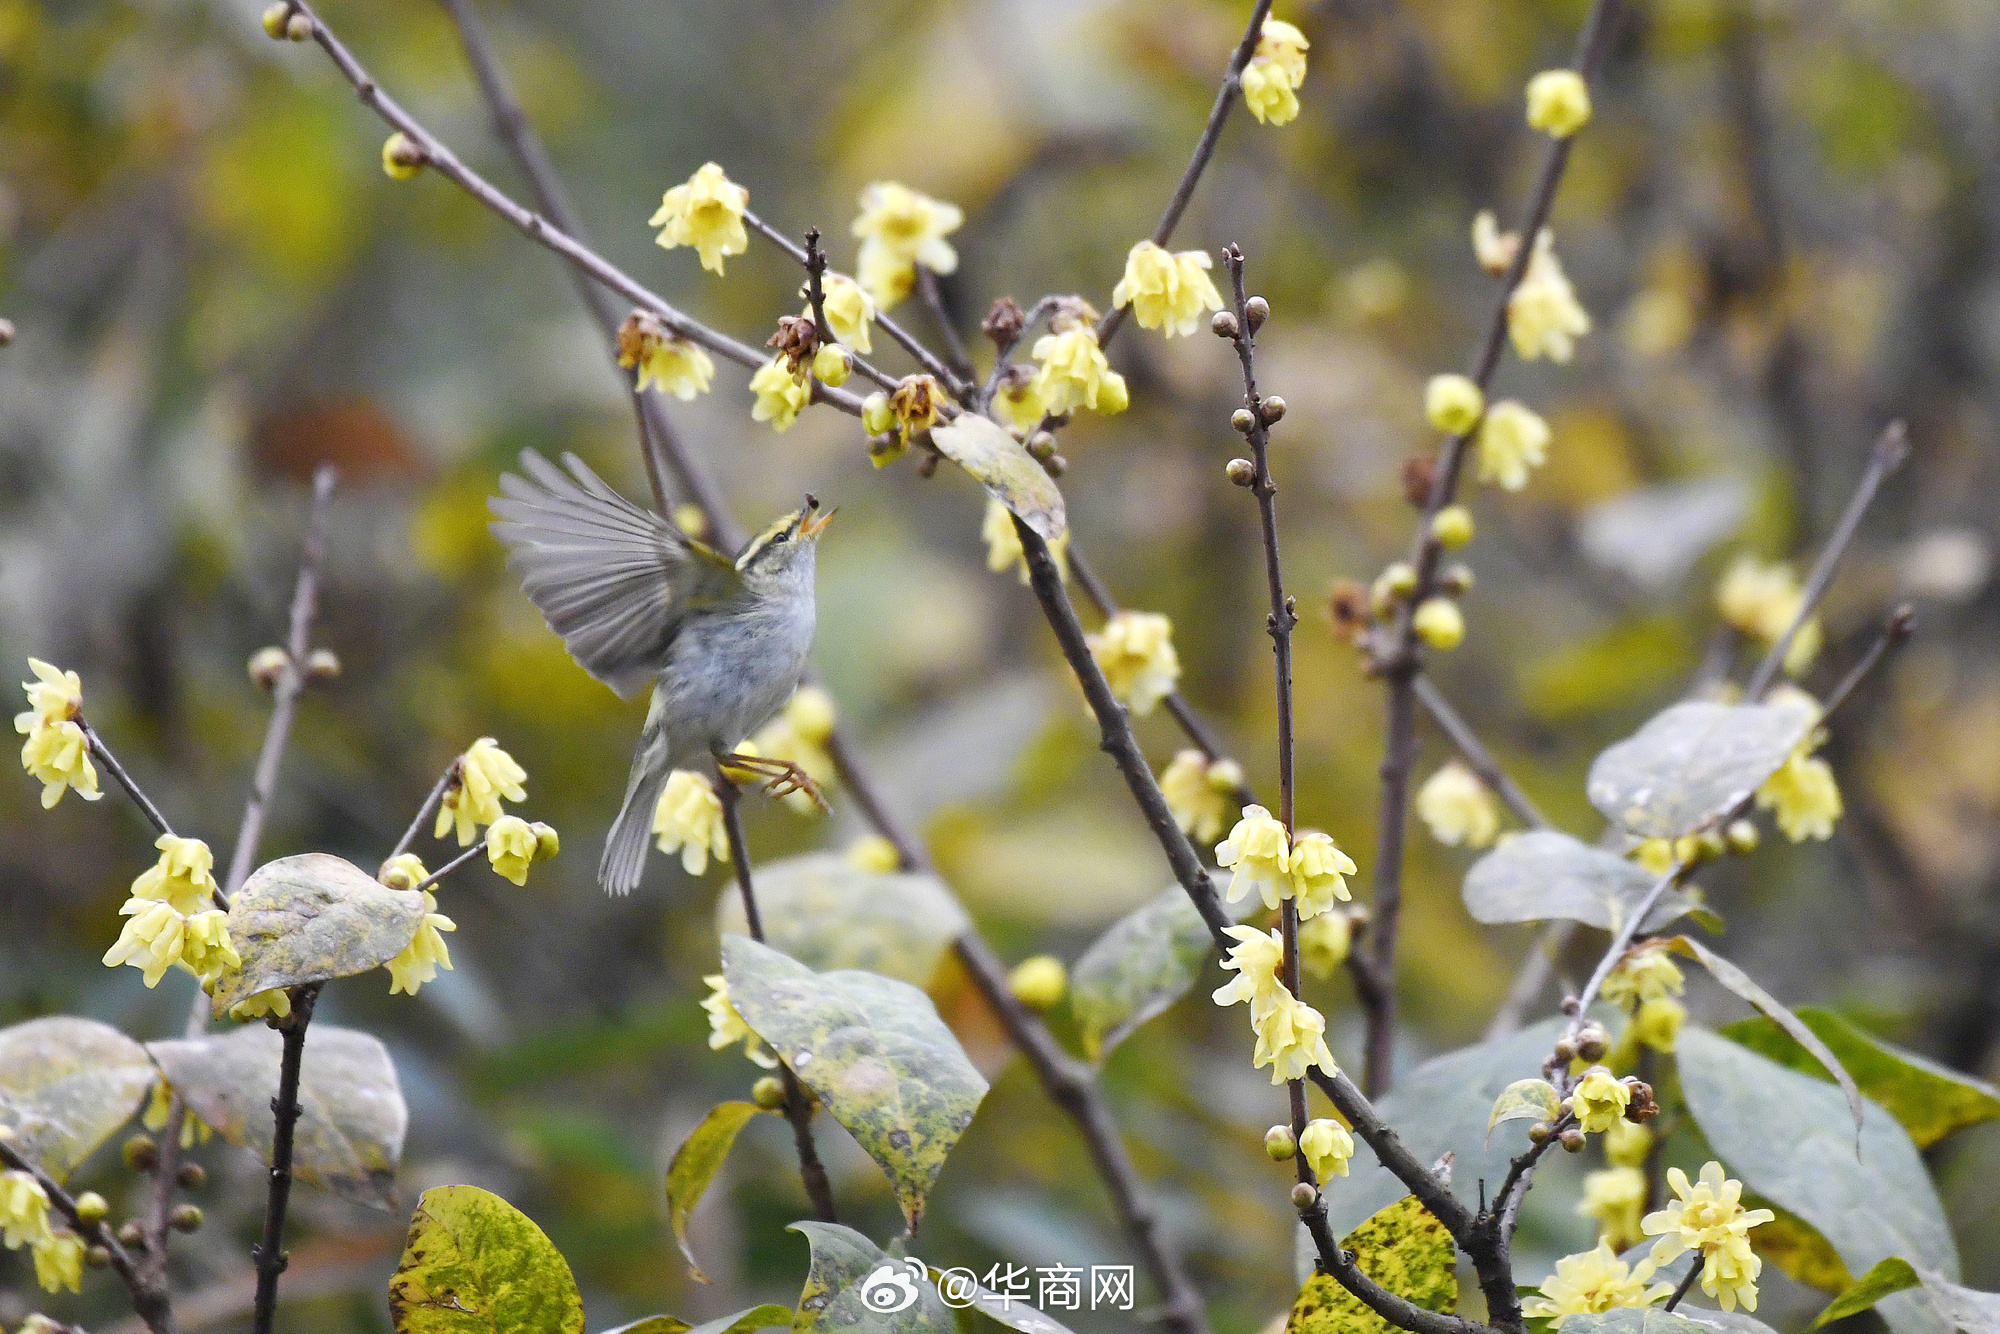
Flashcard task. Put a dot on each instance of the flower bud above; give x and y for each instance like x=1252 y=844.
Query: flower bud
x=831 y=364
x=1572 y=1140
x=141 y=1154
x=1452 y=527
x=1243 y=420
x=275 y=19
x=322 y=664
x=192 y=1176
x=1565 y=1051
x=1241 y=471
x=402 y=157
x=876 y=416
x=885 y=449
x=1055 y=465
x=1742 y=837
x=1558 y=102
x=130 y=1234
x=1304 y=1196
x=185 y=1218
x=1540 y=1132
x=1255 y=311
x=267 y=666
x=1042 y=445
x=299 y=29
x=1040 y=982
x=1004 y=321
x=1440 y=624
x=98 y=1257
x=1419 y=476
x=6 y=332
x=1592 y=1041
x=1273 y=409
x=768 y=1093
x=1224 y=325
x=91 y=1207
x=1643 y=1107
x=1453 y=403
x=547 y=842
x=1279 y=1143
x=1455 y=579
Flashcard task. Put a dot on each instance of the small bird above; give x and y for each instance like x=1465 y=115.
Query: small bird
x=637 y=600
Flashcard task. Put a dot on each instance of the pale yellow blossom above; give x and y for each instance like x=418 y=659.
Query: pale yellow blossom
x=688 y=819
x=160 y=1107
x=1453 y=403
x=1645 y=973
x=1494 y=249
x=1319 y=872
x=1558 y=102
x=799 y=735
x=1258 y=851
x=1544 y=317
x=1513 y=441
x=1599 y=1100
x=1167 y=291
x=677 y=365
x=425 y=954
x=900 y=229
x=1762 y=600
x=1017 y=400
x=1256 y=959
x=1039 y=982
x=1657 y=1022
x=1277 y=68
x=58 y=755
x=405 y=870
x=59 y=1261
x=726 y=1026
x=24 y=1210
x=1627 y=1144
x=54 y=695
x=1592 y=1282
x=1327 y=1146
x=1199 y=792
x=1291 y=1039
x=1135 y=651
x=781 y=396
x=183 y=876
x=1074 y=373
x=486 y=774
x=1802 y=794
x=705 y=212
x=1458 y=808
x=872 y=852
x=511 y=846
x=275 y=1003
x=1708 y=1217
x=1324 y=942
x=849 y=311
x=1615 y=1197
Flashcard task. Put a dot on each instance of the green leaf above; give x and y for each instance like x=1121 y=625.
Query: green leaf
x=66 y=1084
x=1404 y=1249
x=1683 y=1319
x=1140 y=966
x=1692 y=763
x=475 y=1264
x=351 y=1112
x=1930 y=1100
x=757 y=1317
x=829 y=914
x=851 y=1286
x=1891 y=1275
x=695 y=1164
x=1442 y=1107
x=1006 y=469
x=875 y=1052
x=1741 y=984
x=1789 y=1138
x=311 y=918
x=1524 y=1100
x=1541 y=873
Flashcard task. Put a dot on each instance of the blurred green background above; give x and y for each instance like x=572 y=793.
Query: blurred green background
x=1785 y=221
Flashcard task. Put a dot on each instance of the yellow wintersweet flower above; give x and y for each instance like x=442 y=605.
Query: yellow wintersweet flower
x=781 y=396
x=1657 y=855
x=1256 y=959
x=1453 y=403
x=726 y=1026
x=1272 y=78
x=425 y=954
x=1074 y=373
x=1804 y=796
x=1198 y=792
x=486 y=774
x=183 y=876
x=1494 y=249
x=1543 y=315
x=916 y=405
x=1018 y=401
x=1135 y=651
x=58 y=754
x=1762 y=601
x=54 y=696
x=1708 y=1217
x=59 y=1261
x=160 y=1107
x=24 y=1210
x=872 y=852
x=1657 y=1022
x=677 y=365
x=1324 y=942
x=849 y=311
x=1319 y=872
x=511 y=847
x=1647 y=972
x=1558 y=102
x=1627 y=1144
x=1458 y=808
x=403 y=871
x=1003 y=541
x=1167 y=291
x=1599 y=1100
x=799 y=734
x=900 y=229
x=1513 y=439
x=206 y=950
x=1327 y=1147
x=707 y=213
x=1039 y=982
x=688 y=819
x=1615 y=1197
x=1258 y=849
x=1592 y=1282
x=1291 y=1039
x=275 y=1003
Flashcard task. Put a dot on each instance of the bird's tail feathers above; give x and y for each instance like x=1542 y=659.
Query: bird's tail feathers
x=625 y=846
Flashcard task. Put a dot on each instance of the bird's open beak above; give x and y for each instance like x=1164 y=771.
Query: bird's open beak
x=815 y=524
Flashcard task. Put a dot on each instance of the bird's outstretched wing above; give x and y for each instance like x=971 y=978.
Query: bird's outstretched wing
x=612 y=579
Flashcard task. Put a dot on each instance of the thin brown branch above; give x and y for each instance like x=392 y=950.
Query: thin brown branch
x=954 y=346
x=443 y=784
x=269 y=1253
x=466 y=858
x=1477 y=757
x=798 y=1110
x=150 y=1299
x=1888 y=454
x=122 y=776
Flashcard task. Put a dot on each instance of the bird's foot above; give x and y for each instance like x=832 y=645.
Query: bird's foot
x=784 y=777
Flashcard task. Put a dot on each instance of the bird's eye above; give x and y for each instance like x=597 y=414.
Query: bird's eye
x=781 y=537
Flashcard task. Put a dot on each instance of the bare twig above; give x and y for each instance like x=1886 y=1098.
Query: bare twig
x=443 y=784
x=123 y=777
x=954 y=346
x=1694 y=1272
x=797 y=1109
x=1887 y=455
x=269 y=1253
x=465 y=858
x=150 y=1299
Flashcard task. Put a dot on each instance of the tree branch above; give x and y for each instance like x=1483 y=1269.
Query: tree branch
x=269 y=1254
x=123 y=777
x=150 y=1300
x=1397 y=1310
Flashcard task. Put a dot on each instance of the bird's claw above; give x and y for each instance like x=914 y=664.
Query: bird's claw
x=784 y=777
